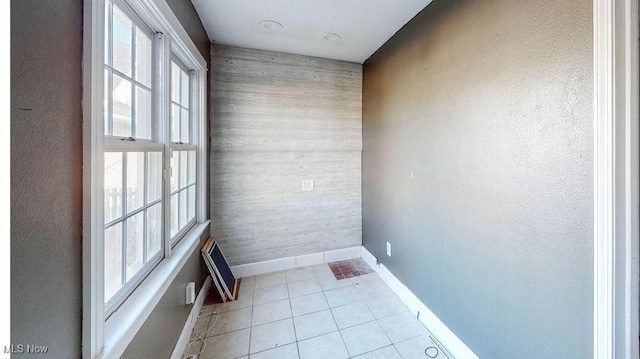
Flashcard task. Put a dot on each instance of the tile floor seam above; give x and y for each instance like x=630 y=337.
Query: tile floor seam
x=387 y=335
x=295 y=333
x=266 y=350
x=339 y=332
x=251 y=327
x=351 y=326
x=370 y=351
x=318 y=335
x=292 y=320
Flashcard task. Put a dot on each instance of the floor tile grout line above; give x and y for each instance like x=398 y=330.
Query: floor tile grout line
x=266 y=350
x=336 y=323
x=251 y=327
x=295 y=334
x=371 y=351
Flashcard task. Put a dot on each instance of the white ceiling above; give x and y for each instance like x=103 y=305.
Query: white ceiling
x=363 y=25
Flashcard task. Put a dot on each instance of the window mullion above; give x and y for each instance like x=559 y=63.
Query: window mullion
x=163 y=73
x=144 y=204
x=123 y=265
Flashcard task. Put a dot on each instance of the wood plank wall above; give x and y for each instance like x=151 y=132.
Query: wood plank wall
x=278 y=119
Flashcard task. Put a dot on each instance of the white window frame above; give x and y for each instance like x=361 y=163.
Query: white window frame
x=116 y=144
x=179 y=146
x=108 y=338
x=616 y=179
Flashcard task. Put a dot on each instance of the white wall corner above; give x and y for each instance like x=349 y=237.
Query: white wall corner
x=449 y=340
x=183 y=340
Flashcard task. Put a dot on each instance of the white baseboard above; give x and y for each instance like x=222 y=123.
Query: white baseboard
x=183 y=340
x=274 y=265
x=449 y=340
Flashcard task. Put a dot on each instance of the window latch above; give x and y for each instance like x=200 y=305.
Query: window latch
x=128 y=139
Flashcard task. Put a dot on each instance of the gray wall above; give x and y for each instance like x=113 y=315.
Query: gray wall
x=46 y=175
x=489 y=104
x=278 y=119
x=186 y=13
x=46 y=178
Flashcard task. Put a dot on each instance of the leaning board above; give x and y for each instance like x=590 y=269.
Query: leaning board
x=221 y=268
x=214 y=276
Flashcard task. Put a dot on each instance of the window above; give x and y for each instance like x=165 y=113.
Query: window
x=145 y=156
x=133 y=181
x=183 y=154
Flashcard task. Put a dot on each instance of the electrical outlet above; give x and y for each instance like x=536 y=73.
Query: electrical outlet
x=389 y=249
x=191 y=293
x=307 y=185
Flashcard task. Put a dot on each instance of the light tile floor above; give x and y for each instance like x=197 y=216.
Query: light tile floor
x=307 y=313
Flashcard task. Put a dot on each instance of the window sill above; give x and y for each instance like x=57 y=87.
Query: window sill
x=124 y=323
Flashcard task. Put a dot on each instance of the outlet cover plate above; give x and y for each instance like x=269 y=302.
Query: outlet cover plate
x=307 y=185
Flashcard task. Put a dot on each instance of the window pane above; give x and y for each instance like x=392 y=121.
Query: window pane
x=184 y=124
x=175 y=160
x=183 y=208
x=107 y=118
x=175 y=123
x=121 y=45
x=191 y=172
x=191 y=203
x=175 y=82
x=143 y=113
x=174 y=215
x=112 y=186
x=184 y=92
x=154 y=176
x=112 y=260
x=135 y=244
x=154 y=230
x=135 y=180
x=107 y=31
x=183 y=168
x=121 y=106
x=143 y=58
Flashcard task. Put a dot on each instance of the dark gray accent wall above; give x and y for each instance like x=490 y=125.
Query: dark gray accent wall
x=46 y=175
x=46 y=179
x=186 y=13
x=477 y=168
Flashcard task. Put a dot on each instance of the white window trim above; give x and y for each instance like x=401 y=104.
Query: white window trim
x=109 y=339
x=616 y=191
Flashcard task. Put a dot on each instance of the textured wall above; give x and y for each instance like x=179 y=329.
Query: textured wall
x=279 y=119
x=46 y=179
x=46 y=175
x=488 y=104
